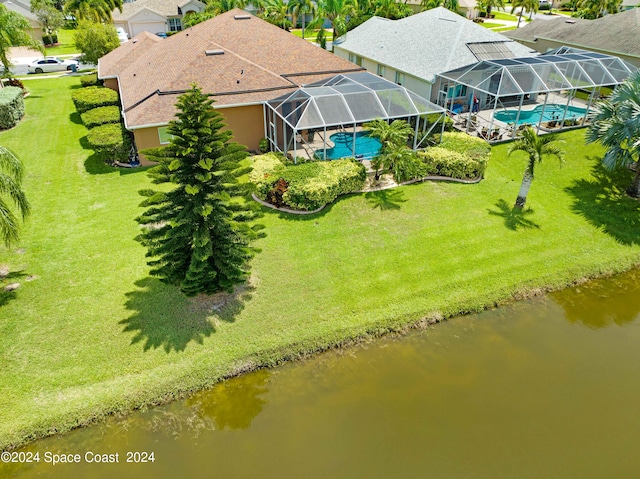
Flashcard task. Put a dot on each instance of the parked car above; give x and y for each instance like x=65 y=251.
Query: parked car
x=122 y=35
x=52 y=64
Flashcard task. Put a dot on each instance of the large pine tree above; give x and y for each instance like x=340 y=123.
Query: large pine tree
x=198 y=233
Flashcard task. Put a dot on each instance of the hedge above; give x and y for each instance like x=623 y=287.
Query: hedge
x=100 y=116
x=472 y=146
x=107 y=138
x=92 y=97
x=443 y=162
x=11 y=106
x=309 y=185
x=89 y=80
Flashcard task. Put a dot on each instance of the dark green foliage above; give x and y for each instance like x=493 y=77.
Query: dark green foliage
x=89 y=80
x=100 y=116
x=92 y=97
x=11 y=106
x=197 y=234
x=442 y=162
x=50 y=39
x=474 y=147
x=309 y=185
x=263 y=146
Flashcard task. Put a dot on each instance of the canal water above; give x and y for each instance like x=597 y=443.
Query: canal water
x=546 y=388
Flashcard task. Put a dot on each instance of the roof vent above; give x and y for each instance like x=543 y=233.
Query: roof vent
x=210 y=53
x=570 y=21
x=242 y=17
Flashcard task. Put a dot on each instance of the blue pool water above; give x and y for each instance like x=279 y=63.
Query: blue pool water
x=532 y=117
x=366 y=146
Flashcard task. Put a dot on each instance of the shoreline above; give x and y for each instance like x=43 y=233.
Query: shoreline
x=270 y=358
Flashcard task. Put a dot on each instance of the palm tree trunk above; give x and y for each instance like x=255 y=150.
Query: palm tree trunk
x=634 y=189
x=524 y=189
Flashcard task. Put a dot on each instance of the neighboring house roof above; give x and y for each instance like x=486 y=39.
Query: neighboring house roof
x=165 y=8
x=424 y=44
x=619 y=33
x=22 y=7
x=238 y=60
x=120 y=58
x=470 y=3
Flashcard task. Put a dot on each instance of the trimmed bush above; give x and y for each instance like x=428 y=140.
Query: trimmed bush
x=442 y=162
x=107 y=139
x=50 y=39
x=100 y=116
x=89 y=80
x=307 y=186
x=474 y=147
x=92 y=97
x=11 y=106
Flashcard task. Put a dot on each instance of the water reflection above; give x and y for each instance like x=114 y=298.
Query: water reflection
x=235 y=403
x=602 y=303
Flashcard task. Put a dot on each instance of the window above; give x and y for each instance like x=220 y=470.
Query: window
x=358 y=61
x=175 y=25
x=400 y=78
x=165 y=136
x=352 y=58
x=381 y=70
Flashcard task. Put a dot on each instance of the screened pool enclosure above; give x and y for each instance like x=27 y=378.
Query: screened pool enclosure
x=327 y=116
x=555 y=90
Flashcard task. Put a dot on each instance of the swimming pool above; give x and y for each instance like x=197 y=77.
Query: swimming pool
x=366 y=146
x=532 y=117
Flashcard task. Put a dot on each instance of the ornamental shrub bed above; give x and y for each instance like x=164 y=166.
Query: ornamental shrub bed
x=89 y=80
x=100 y=116
x=307 y=186
x=440 y=161
x=474 y=147
x=11 y=106
x=92 y=97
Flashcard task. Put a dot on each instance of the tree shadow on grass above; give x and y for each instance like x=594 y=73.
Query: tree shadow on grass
x=384 y=200
x=164 y=318
x=602 y=200
x=514 y=218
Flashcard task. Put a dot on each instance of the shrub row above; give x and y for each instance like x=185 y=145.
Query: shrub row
x=100 y=116
x=440 y=161
x=89 y=80
x=50 y=39
x=107 y=139
x=472 y=146
x=307 y=186
x=92 y=97
x=11 y=106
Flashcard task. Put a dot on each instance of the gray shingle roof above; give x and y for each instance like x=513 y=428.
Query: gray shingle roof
x=166 y=8
x=424 y=44
x=22 y=7
x=619 y=33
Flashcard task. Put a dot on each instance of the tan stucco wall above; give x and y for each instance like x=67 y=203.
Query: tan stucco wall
x=246 y=123
x=111 y=83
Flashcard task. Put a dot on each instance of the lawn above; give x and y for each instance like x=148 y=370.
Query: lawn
x=491 y=25
x=91 y=333
x=311 y=34
x=66 y=44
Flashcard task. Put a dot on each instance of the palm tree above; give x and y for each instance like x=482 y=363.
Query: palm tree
x=14 y=30
x=93 y=10
x=536 y=147
x=337 y=12
x=488 y=5
x=11 y=173
x=276 y=11
x=389 y=134
x=530 y=6
x=598 y=8
x=401 y=160
x=391 y=9
x=216 y=7
x=616 y=125
x=301 y=8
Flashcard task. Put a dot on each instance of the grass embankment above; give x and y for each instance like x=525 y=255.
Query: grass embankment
x=93 y=333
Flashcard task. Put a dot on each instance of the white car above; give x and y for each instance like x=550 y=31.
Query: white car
x=122 y=35
x=51 y=64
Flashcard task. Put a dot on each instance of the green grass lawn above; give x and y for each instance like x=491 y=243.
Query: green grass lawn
x=66 y=45
x=491 y=25
x=91 y=333
x=504 y=16
x=310 y=34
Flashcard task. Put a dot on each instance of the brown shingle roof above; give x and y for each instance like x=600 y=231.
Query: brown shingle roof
x=118 y=59
x=619 y=33
x=260 y=62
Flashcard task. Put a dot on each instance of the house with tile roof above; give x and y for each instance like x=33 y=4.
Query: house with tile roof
x=241 y=60
x=617 y=34
x=23 y=7
x=413 y=50
x=155 y=16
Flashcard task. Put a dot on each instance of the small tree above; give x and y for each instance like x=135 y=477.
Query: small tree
x=92 y=10
x=198 y=233
x=536 y=147
x=11 y=172
x=615 y=125
x=393 y=137
x=95 y=40
x=47 y=14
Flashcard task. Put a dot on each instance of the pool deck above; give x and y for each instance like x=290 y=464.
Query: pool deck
x=483 y=125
